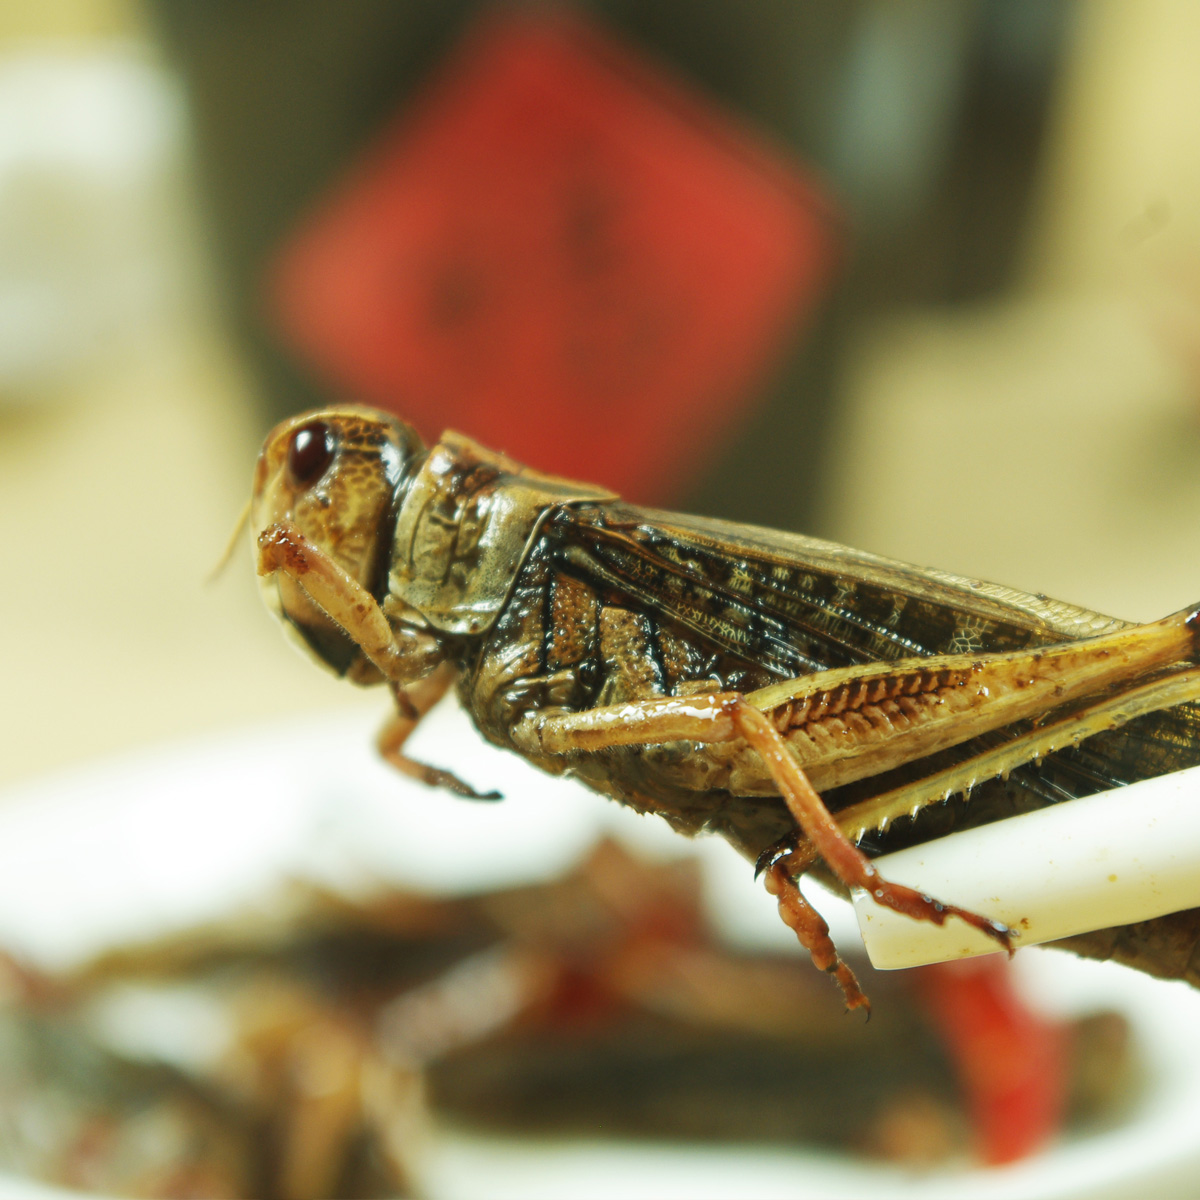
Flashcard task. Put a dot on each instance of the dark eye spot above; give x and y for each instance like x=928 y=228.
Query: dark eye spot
x=310 y=453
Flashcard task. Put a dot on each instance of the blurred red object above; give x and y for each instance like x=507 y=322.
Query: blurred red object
x=1012 y=1062
x=564 y=253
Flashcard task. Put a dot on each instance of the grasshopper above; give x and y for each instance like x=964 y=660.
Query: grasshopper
x=803 y=700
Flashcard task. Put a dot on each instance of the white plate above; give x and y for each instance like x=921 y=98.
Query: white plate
x=157 y=841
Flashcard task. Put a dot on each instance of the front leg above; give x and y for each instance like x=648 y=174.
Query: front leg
x=408 y=659
x=400 y=655
x=725 y=717
x=412 y=703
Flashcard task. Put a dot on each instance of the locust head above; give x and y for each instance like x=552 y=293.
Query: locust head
x=327 y=488
x=383 y=558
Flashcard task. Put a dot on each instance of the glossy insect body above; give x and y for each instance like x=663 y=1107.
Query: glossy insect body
x=706 y=672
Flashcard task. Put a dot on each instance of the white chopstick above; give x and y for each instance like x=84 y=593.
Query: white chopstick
x=1120 y=856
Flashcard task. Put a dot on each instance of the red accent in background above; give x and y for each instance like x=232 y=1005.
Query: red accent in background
x=564 y=254
x=1012 y=1062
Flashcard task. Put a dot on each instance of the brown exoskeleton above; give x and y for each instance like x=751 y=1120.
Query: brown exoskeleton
x=730 y=679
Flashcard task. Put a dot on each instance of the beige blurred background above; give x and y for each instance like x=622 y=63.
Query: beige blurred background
x=125 y=460
x=1049 y=438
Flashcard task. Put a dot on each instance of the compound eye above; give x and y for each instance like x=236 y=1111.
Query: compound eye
x=310 y=453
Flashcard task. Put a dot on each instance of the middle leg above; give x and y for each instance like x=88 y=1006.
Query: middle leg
x=723 y=717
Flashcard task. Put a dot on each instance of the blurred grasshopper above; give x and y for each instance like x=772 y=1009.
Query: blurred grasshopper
x=730 y=679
